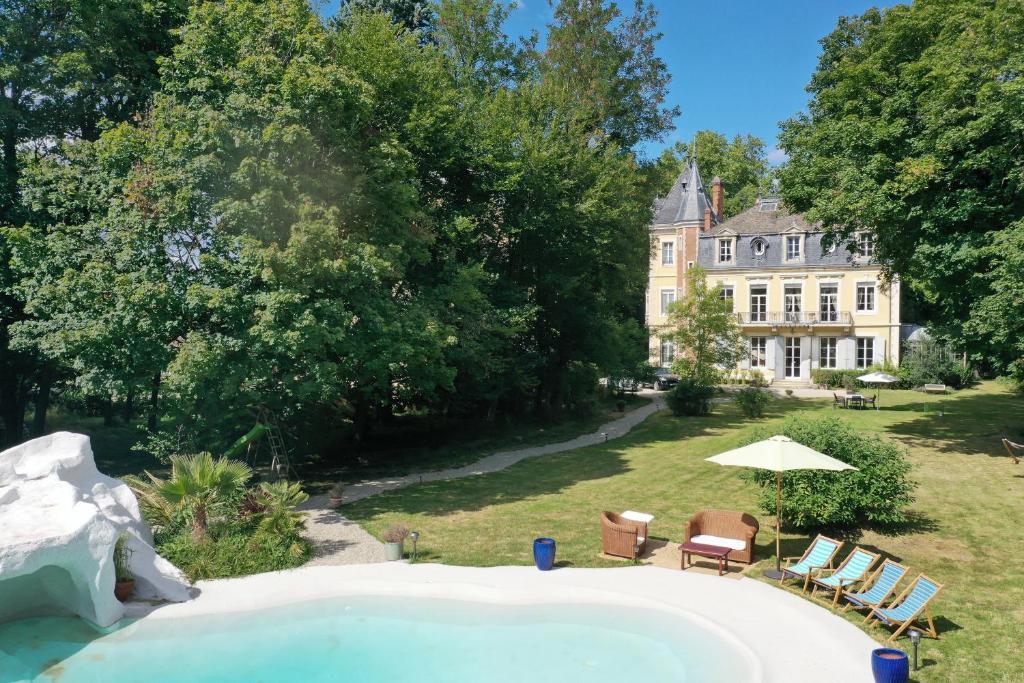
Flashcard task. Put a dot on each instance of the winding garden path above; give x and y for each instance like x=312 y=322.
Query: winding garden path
x=338 y=540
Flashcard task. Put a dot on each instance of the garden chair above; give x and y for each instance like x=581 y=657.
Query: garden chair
x=818 y=556
x=622 y=537
x=908 y=607
x=878 y=587
x=838 y=400
x=873 y=401
x=852 y=570
x=1011 y=447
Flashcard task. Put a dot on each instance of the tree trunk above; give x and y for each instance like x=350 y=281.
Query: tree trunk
x=108 y=411
x=42 y=403
x=199 y=523
x=154 y=403
x=128 y=408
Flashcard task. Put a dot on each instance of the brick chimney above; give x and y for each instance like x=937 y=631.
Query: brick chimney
x=707 y=219
x=717 y=195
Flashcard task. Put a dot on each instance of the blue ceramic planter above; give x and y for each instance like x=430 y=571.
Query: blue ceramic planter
x=544 y=553
x=889 y=665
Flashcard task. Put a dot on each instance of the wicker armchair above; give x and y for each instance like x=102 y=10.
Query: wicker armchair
x=725 y=524
x=622 y=537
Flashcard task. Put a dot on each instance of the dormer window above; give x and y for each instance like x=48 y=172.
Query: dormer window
x=794 y=247
x=866 y=244
x=767 y=205
x=725 y=250
x=759 y=246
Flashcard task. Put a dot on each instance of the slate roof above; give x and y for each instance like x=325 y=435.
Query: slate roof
x=754 y=221
x=686 y=201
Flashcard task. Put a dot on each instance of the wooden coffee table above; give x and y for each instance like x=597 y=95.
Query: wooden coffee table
x=714 y=552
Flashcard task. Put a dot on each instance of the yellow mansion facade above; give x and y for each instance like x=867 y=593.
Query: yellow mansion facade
x=800 y=304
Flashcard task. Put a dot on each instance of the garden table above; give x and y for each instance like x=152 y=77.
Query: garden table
x=715 y=552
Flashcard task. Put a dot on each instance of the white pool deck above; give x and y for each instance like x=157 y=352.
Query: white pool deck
x=786 y=638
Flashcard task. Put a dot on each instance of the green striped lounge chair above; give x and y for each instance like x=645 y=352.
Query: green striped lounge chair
x=853 y=570
x=818 y=556
x=877 y=589
x=908 y=607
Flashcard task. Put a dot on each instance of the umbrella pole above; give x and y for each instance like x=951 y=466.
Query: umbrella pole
x=777 y=572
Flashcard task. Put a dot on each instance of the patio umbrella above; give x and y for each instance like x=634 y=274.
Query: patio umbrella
x=778 y=454
x=878 y=378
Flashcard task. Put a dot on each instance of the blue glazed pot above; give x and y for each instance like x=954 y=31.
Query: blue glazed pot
x=889 y=665
x=544 y=553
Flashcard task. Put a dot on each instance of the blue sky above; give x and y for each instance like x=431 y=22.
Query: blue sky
x=738 y=66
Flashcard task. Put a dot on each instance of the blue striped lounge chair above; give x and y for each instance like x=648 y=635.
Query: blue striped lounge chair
x=818 y=556
x=908 y=607
x=877 y=589
x=851 y=571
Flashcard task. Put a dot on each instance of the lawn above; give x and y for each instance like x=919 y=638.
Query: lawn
x=970 y=504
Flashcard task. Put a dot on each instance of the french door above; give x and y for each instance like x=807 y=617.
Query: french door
x=792 y=366
x=829 y=303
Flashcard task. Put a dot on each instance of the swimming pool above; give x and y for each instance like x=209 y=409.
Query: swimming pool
x=372 y=638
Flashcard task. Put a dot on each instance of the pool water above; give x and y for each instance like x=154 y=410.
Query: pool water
x=369 y=639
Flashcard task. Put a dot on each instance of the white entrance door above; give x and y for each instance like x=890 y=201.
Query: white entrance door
x=792 y=365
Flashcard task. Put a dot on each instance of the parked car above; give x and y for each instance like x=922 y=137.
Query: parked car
x=624 y=384
x=664 y=379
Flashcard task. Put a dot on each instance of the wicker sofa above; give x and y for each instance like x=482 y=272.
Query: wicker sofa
x=736 y=530
x=622 y=537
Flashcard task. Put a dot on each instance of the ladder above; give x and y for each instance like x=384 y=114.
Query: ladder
x=280 y=462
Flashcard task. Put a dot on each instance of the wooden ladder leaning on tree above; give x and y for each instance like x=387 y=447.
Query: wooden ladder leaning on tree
x=1011 y=447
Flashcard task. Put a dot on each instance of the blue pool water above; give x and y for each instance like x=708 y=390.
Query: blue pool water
x=371 y=639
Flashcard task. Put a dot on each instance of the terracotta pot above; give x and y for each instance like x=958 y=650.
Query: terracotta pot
x=124 y=589
x=335 y=502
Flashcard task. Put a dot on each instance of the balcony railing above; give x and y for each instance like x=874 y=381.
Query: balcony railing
x=803 y=318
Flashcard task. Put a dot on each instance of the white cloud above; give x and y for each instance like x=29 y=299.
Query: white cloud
x=776 y=156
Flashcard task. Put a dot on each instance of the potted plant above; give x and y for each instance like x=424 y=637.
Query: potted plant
x=394 y=542
x=335 y=494
x=124 y=582
x=620 y=405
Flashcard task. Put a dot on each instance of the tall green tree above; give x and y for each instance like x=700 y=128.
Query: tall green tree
x=913 y=132
x=704 y=328
x=741 y=163
x=66 y=67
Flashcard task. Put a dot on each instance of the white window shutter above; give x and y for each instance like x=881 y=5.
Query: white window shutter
x=879 y=350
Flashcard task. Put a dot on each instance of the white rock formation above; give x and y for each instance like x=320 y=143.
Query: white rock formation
x=59 y=520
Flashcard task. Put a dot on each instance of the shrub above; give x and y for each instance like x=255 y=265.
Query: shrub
x=396 y=534
x=927 y=362
x=122 y=555
x=234 y=550
x=877 y=494
x=690 y=397
x=752 y=401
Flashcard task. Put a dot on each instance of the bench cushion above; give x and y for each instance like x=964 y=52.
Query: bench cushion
x=708 y=539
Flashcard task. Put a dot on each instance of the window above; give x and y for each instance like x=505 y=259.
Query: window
x=793 y=247
x=866 y=244
x=725 y=251
x=827 y=355
x=759 y=247
x=767 y=205
x=759 y=303
x=727 y=295
x=668 y=352
x=758 y=352
x=866 y=297
x=667 y=297
x=668 y=253
x=865 y=351
x=828 y=296
x=791 y=366
x=793 y=302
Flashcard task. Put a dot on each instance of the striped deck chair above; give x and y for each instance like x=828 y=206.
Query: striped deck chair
x=911 y=604
x=818 y=556
x=852 y=570
x=877 y=588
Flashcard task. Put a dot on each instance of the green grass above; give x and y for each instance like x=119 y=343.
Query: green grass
x=968 y=513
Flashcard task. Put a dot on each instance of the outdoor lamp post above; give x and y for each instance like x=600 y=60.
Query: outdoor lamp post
x=415 y=536
x=915 y=640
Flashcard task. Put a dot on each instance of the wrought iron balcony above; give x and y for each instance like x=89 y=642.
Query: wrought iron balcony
x=800 y=319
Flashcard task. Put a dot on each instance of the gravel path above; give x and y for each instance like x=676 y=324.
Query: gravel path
x=338 y=540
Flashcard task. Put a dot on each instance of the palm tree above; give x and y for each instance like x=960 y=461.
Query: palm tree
x=198 y=485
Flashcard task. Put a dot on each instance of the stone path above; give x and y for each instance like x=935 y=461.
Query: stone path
x=338 y=540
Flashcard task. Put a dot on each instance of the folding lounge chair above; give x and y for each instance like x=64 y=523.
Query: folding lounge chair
x=818 y=556
x=852 y=570
x=878 y=588
x=911 y=604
